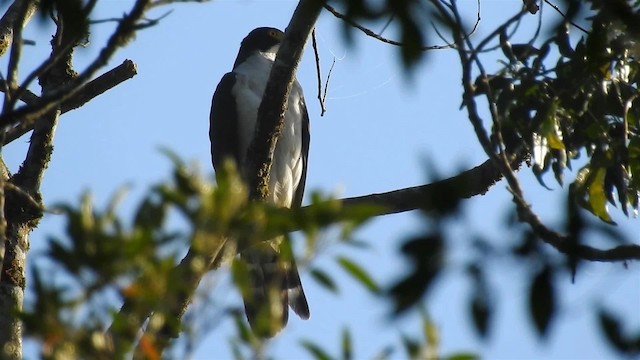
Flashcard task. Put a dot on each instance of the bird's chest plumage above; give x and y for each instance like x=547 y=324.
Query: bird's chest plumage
x=286 y=170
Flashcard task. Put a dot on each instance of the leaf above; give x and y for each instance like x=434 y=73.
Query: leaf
x=427 y=253
x=612 y=331
x=550 y=128
x=244 y=333
x=462 y=356
x=149 y=348
x=347 y=347
x=541 y=157
x=480 y=307
x=358 y=273
x=315 y=350
x=324 y=279
x=430 y=331
x=480 y=312
x=235 y=350
x=542 y=304
x=150 y=214
x=597 y=197
x=411 y=346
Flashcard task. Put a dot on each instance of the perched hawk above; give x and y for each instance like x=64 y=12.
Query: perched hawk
x=273 y=277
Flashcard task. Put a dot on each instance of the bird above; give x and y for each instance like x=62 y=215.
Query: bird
x=273 y=278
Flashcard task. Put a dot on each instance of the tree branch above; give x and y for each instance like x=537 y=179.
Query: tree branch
x=123 y=33
x=560 y=242
x=9 y=19
x=13 y=238
x=475 y=181
x=86 y=93
x=372 y=34
x=59 y=82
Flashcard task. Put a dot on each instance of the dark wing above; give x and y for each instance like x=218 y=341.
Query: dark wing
x=297 y=200
x=223 y=127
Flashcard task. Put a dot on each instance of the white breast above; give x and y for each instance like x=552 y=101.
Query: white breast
x=286 y=170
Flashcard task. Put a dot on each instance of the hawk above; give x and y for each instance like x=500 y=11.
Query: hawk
x=274 y=282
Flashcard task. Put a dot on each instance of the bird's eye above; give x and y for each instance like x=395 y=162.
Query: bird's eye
x=273 y=34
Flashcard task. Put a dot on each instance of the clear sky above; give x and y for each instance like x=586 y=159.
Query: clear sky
x=379 y=134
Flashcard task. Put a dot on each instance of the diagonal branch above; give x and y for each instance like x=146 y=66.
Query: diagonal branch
x=385 y=40
x=88 y=92
x=123 y=33
x=9 y=19
x=470 y=183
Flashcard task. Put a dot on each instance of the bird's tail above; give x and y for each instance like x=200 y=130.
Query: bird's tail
x=272 y=284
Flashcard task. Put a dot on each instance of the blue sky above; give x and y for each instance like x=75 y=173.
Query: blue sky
x=379 y=134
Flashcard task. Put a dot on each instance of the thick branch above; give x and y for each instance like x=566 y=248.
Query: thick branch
x=13 y=235
x=88 y=92
x=475 y=181
x=8 y=20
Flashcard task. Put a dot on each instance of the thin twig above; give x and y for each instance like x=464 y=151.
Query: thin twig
x=372 y=34
x=386 y=25
x=167 y=2
x=314 y=43
x=14 y=56
x=326 y=83
x=556 y=8
x=146 y=22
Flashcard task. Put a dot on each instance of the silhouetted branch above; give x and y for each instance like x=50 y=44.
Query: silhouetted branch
x=126 y=28
x=372 y=34
x=88 y=92
x=14 y=237
x=167 y=2
x=9 y=19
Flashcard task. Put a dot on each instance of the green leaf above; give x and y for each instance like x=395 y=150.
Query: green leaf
x=347 y=347
x=358 y=273
x=597 y=197
x=324 y=279
x=315 y=350
x=235 y=350
x=542 y=304
x=411 y=346
x=429 y=330
x=462 y=356
x=151 y=213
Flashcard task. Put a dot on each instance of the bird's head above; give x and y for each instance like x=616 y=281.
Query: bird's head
x=265 y=40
